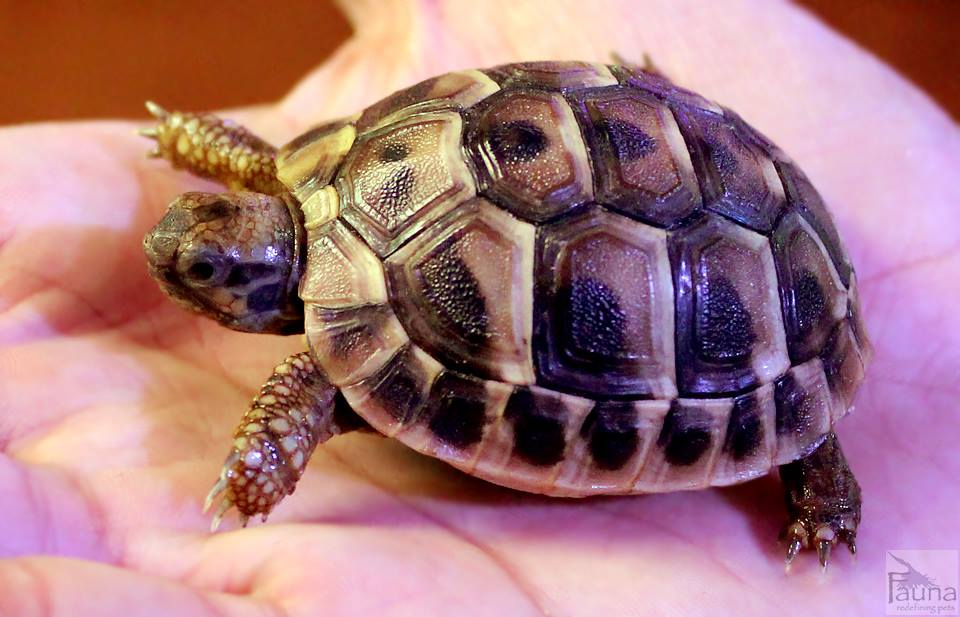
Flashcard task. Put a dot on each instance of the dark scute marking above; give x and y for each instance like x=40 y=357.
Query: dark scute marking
x=242 y=274
x=628 y=141
x=212 y=211
x=724 y=327
x=401 y=387
x=538 y=430
x=724 y=160
x=266 y=298
x=612 y=433
x=794 y=406
x=451 y=288
x=394 y=194
x=393 y=152
x=594 y=320
x=517 y=141
x=458 y=410
x=684 y=438
x=745 y=430
x=811 y=304
x=201 y=271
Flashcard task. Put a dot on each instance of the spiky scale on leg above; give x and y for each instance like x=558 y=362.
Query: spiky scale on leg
x=296 y=410
x=211 y=147
x=823 y=502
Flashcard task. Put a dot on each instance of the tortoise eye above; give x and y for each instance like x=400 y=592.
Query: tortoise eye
x=201 y=271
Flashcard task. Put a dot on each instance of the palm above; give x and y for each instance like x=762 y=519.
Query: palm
x=115 y=406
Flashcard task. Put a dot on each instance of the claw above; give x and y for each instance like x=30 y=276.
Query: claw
x=826 y=538
x=219 y=487
x=225 y=505
x=150 y=132
x=156 y=110
x=154 y=153
x=823 y=553
x=792 y=551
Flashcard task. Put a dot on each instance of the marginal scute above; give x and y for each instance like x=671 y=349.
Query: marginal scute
x=804 y=410
x=738 y=178
x=553 y=74
x=309 y=162
x=613 y=442
x=456 y=412
x=341 y=270
x=611 y=434
x=394 y=395
x=464 y=288
x=352 y=343
x=687 y=445
x=843 y=366
x=640 y=160
x=730 y=333
x=403 y=177
x=814 y=298
x=530 y=155
x=803 y=198
x=542 y=424
x=604 y=302
x=750 y=441
x=459 y=422
x=856 y=320
x=458 y=90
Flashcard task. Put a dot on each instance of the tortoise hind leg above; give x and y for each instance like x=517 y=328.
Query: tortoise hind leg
x=823 y=501
x=210 y=147
x=296 y=410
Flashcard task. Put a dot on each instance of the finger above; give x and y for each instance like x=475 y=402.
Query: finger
x=52 y=587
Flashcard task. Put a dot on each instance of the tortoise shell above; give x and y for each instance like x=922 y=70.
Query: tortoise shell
x=572 y=278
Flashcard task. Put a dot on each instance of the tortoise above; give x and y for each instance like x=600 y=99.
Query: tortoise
x=566 y=278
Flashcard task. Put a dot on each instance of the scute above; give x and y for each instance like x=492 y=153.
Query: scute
x=739 y=180
x=401 y=178
x=605 y=304
x=730 y=334
x=575 y=279
x=640 y=161
x=463 y=289
x=530 y=154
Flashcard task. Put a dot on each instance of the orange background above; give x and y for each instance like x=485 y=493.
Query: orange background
x=66 y=60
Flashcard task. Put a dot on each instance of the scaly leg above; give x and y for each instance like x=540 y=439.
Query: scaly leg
x=210 y=147
x=823 y=502
x=296 y=410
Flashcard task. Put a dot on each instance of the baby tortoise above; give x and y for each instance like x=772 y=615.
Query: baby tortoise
x=562 y=277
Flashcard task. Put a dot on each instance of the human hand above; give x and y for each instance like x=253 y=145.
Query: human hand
x=116 y=406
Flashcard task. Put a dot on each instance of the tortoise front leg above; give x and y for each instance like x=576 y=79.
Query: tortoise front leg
x=210 y=147
x=296 y=410
x=823 y=501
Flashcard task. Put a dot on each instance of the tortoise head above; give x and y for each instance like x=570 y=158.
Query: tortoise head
x=233 y=257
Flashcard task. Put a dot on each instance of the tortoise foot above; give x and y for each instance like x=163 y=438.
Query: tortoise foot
x=803 y=534
x=210 y=147
x=294 y=412
x=823 y=503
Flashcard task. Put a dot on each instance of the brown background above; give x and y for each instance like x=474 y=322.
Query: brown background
x=68 y=60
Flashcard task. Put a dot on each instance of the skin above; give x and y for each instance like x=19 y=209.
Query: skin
x=116 y=405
